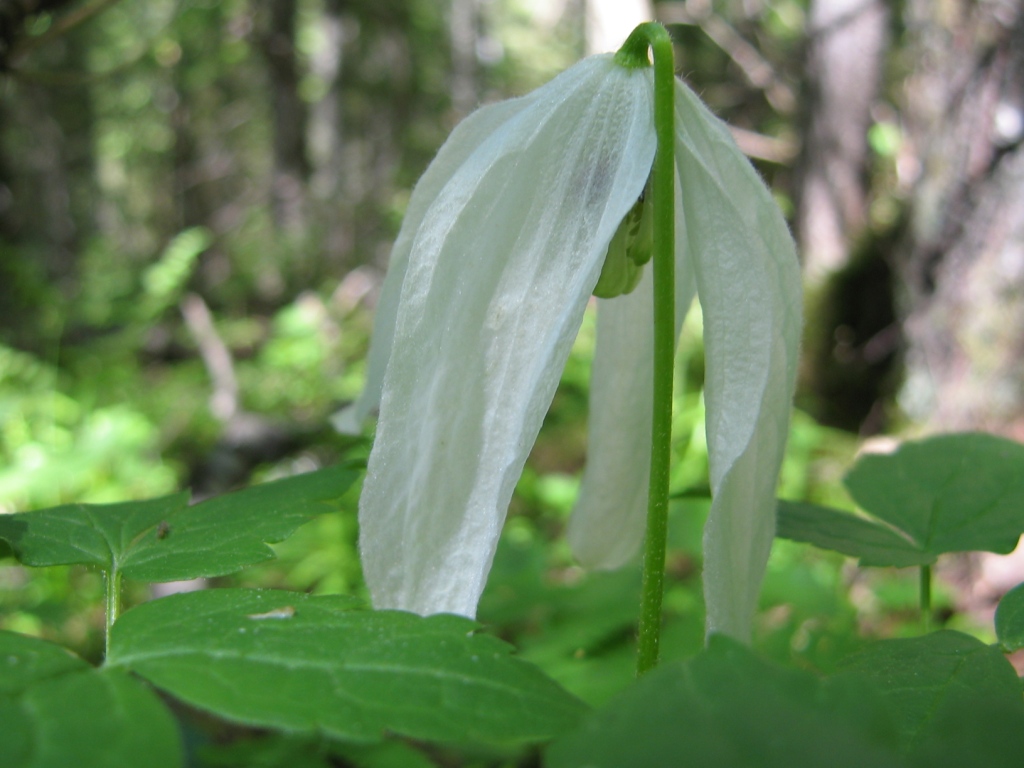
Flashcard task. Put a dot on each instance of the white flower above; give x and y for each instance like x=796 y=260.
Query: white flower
x=500 y=250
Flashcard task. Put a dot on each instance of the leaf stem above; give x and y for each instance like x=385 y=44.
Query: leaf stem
x=663 y=189
x=926 y=597
x=113 y=603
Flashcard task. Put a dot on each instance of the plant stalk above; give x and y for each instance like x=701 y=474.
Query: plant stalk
x=663 y=190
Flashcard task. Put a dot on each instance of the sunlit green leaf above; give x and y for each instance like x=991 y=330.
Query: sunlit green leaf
x=58 y=711
x=929 y=680
x=299 y=663
x=728 y=708
x=165 y=539
x=951 y=493
x=163 y=282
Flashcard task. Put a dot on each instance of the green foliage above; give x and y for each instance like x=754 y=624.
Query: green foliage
x=264 y=658
x=53 y=447
x=829 y=528
x=932 y=682
x=938 y=700
x=580 y=627
x=300 y=663
x=57 y=710
x=276 y=751
x=1010 y=619
x=165 y=539
x=727 y=707
x=299 y=367
x=163 y=282
x=952 y=493
x=145 y=120
x=336 y=682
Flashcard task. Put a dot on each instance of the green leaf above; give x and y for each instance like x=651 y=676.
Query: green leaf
x=290 y=751
x=58 y=711
x=389 y=754
x=270 y=751
x=930 y=680
x=1010 y=619
x=164 y=539
x=979 y=732
x=299 y=663
x=951 y=493
x=583 y=633
x=828 y=528
x=726 y=708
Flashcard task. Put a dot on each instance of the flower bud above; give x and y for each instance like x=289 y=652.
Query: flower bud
x=630 y=248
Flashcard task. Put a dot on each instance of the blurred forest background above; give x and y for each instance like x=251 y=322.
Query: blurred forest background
x=198 y=198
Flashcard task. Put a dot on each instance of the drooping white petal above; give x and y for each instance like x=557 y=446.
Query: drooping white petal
x=748 y=283
x=463 y=142
x=499 y=272
x=608 y=523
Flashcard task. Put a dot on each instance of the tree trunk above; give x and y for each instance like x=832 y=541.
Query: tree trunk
x=47 y=205
x=852 y=334
x=326 y=137
x=609 y=22
x=289 y=114
x=847 y=42
x=462 y=26
x=963 y=260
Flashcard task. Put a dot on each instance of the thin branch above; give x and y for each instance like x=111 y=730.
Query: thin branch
x=758 y=146
x=215 y=354
x=755 y=67
x=60 y=27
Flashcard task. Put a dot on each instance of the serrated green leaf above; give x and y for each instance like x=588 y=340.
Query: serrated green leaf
x=58 y=711
x=300 y=663
x=727 y=708
x=950 y=493
x=228 y=532
x=927 y=680
x=1010 y=619
x=164 y=539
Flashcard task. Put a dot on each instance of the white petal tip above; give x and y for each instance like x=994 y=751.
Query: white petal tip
x=348 y=421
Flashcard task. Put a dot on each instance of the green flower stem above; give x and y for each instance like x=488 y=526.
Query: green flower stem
x=113 y=602
x=634 y=53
